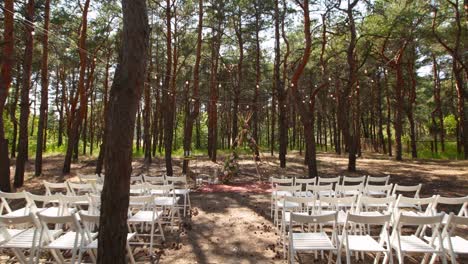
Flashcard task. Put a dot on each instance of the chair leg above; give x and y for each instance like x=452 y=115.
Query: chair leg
x=20 y=255
x=130 y=254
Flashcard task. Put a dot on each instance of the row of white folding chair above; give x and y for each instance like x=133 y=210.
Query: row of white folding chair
x=165 y=197
x=343 y=180
x=71 y=188
x=180 y=182
x=353 y=239
x=35 y=235
x=90 y=178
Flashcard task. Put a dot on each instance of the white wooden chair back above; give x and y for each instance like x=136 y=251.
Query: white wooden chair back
x=453 y=243
x=7 y=198
x=347 y=203
x=154 y=179
x=417 y=203
x=44 y=200
x=349 y=190
x=372 y=180
x=139 y=189
x=80 y=188
x=383 y=190
x=326 y=180
x=305 y=182
x=380 y=204
x=138 y=179
x=281 y=182
x=347 y=180
x=461 y=201
x=321 y=190
x=88 y=178
x=55 y=188
x=407 y=190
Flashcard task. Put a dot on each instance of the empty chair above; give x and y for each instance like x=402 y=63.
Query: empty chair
x=154 y=179
x=368 y=205
x=408 y=191
x=299 y=205
x=347 y=180
x=89 y=226
x=334 y=181
x=275 y=182
x=20 y=235
x=181 y=189
x=415 y=206
x=19 y=197
x=454 y=244
x=54 y=188
x=348 y=190
x=167 y=200
x=457 y=205
x=80 y=188
x=305 y=185
x=88 y=178
x=378 y=190
x=313 y=241
x=371 y=180
x=138 y=189
x=74 y=203
x=69 y=239
x=143 y=212
x=353 y=239
x=136 y=179
x=341 y=205
x=321 y=190
x=405 y=244
x=279 y=204
x=45 y=204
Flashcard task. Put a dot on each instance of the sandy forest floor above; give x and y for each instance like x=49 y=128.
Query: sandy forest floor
x=235 y=227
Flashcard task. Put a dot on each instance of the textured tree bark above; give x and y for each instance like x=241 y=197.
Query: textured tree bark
x=191 y=115
x=102 y=149
x=125 y=93
x=411 y=95
x=168 y=105
x=77 y=115
x=7 y=61
x=44 y=91
x=24 y=105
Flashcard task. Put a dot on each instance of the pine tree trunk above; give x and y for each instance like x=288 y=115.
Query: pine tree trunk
x=24 y=105
x=7 y=61
x=44 y=91
x=125 y=94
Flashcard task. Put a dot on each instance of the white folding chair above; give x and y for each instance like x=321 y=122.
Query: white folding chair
x=313 y=241
x=415 y=243
x=20 y=234
x=369 y=205
x=166 y=199
x=340 y=205
x=281 y=192
x=80 y=188
x=45 y=204
x=69 y=239
x=321 y=190
x=74 y=203
x=408 y=191
x=462 y=202
x=348 y=180
x=378 y=190
x=89 y=225
x=334 y=181
x=348 y=190
x=455 y=244
x=88 y=178
x=143 y=212
x=371 y=180
x=415 y=206
x=154 y=179
x=181 y=189
x=18 y=197
x=304 y=205
x=55 y=188
x=138 y=189
x=353 y=238
x=136 y=179
x=275 y=182
x=305 y=185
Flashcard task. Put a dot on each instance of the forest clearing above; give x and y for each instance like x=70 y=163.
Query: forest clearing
x=244 y=131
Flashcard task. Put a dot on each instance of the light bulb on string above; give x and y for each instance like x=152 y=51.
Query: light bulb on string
x=186 y=82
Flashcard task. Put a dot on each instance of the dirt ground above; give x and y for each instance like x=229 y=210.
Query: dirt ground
x=236 y=227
